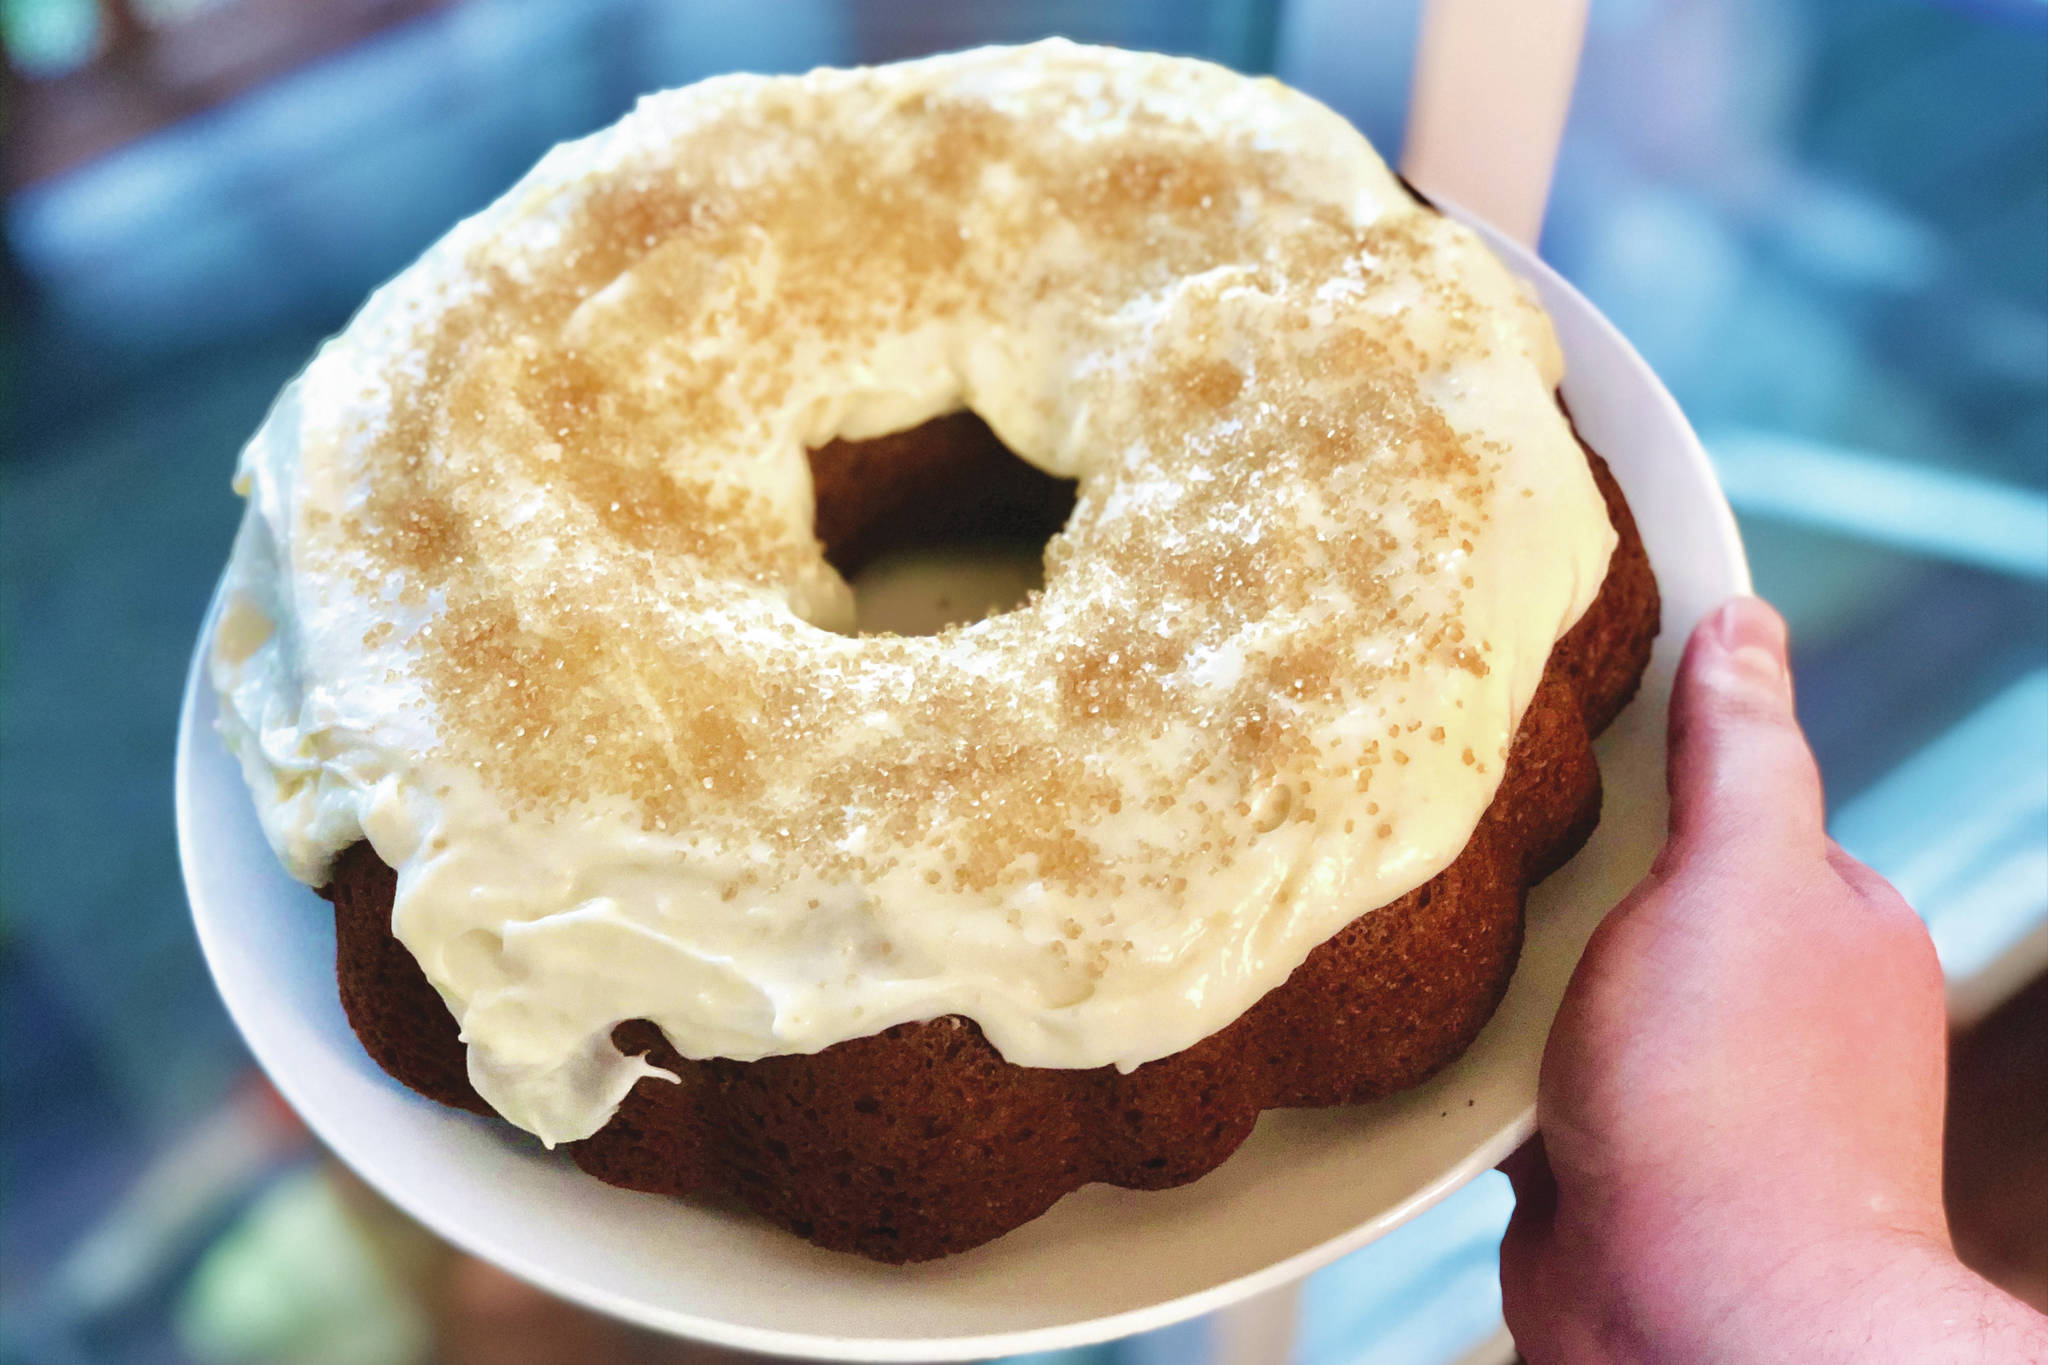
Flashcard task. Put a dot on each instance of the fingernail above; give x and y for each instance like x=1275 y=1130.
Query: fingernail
x=1754 y=636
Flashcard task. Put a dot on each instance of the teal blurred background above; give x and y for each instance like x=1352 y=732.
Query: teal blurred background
x=1825 y=225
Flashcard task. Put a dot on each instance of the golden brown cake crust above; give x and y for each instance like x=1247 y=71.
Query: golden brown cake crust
x=921 y=1140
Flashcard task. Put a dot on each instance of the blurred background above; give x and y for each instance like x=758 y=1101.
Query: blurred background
x=1825 y=224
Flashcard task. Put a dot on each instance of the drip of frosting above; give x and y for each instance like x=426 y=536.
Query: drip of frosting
x=527 y=593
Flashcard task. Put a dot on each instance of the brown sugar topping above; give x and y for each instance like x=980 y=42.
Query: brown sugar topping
x=585 y=468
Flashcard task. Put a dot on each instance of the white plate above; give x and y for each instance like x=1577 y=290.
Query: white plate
x=1305 y=1189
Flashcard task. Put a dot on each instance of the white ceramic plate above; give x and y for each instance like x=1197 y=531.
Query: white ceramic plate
x=1305 y=1189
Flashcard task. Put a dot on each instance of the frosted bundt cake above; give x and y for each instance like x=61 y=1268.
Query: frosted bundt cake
x=536 y=643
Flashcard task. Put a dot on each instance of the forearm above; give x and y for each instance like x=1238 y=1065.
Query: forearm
x=1927 y=1306
x=1891 y=1299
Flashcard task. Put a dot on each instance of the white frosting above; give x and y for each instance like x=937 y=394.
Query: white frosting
x=1330 y=524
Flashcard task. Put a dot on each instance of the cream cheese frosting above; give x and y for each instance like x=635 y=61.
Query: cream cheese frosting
x=527 y=594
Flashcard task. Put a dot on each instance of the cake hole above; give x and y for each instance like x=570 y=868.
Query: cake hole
x=936 y=526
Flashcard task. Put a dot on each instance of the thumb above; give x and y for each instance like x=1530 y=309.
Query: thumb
x=1743 y=782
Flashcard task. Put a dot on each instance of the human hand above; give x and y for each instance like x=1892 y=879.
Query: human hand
x=1740 y=1111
